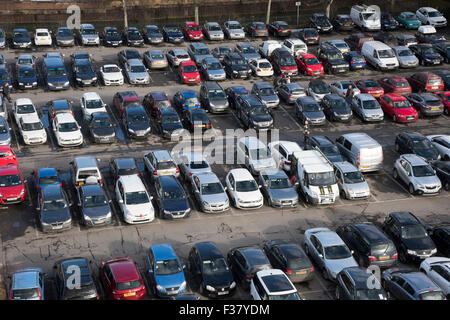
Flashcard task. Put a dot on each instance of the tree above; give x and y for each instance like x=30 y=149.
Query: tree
x=328 y=9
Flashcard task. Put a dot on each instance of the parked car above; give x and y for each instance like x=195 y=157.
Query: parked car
x=220 y=52
x=159 y=163
x=406 y=40
x=371 y=87
x=209 y=192
x=388 y=22
x=445 y=98
x=83 y=73
x=87 y=35
x=356 y=40
x=26 y=284
x=355 y=59
x=5 y=132
x=253 y=113
x=233 y=30
x=154 y=101
x=124 y=99
x=155 y=59
x=198 y=52
x=443 y=48
x=426 y=81
x=309 y=35
x=136 y=73
x=352 y=184
x=128 y=54
x=188 y=73
x=427 y=104
x=64 y=37
x=282 y=152
x=172 y=200
x=442 y=144
x=386 y=38
x=352 y=285
x=53 y=208
x=342 y=22
x=277 y=188
x=339 y=44
x=266 y=93
x=26 y=78
x=172 y=34
x=438 y=270
x=416 y=143
x=445 y=75
x=213 y=97
x=317 y=89
x=247 y=51
x=213 y=31
x=326 y=147
x=152 y=34
x=279 y=29
x=283 y=62
x=399 y=108
x=90 y=103
x=233 y=93
x=440 y=236
x=192 y=31
x=431 y=16
x=185 y=100
x=336 y=108
x=111 y=75
x=257 y=29
x=66 y=130
x=395 y=84
x=192 y=163
x=176 y=56
x=136 y=122
x=111 y=37
x=133 y=37
x=94 y=206
x=21 y=39
x=306 y=108
x=309 y=64
x=254 y=155
x=196 y=118
x=408 y=20
x=236 y=66
x=32 y=130
x=263 y=287
x=123 y=167
x=320 y=22
x=212 y=69
x=243 y=189
x=426 y=54
x=290 y=92
x=7 y=156
x=341 y=87
x=332 y=59
x=168 y=123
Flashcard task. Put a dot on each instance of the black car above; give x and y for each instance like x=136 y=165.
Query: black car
x=431 y=38
x=336 y=108
x=66 y=288
x=388 y=22
x=21 y=39
x=442 y=169
x=236 y=66
x=445 y=75
x=253 y=113
x=441 y=238
x=443 y=48
x=83 y=73
x=167 y=121
x=233 y=92
x=196 y=118
x=343 y=22
x=26 y=77
x=320 y=22
x=427 y=104
x=136 y=122
x=279 y=29
x=332 y=59
x=172 y=34
x=133 y=37
x=409 y=235
x=172 y=201
x=290 y=258
x=64 y=37
x=128 y=54
x=152 y=34
x=94 y=206
x=326 y=146
x=386 y=38
x=414 y=142
x=352 y=285
x=426 y=54
x=210 y=270
x=101 y=130
x=245 y=262
x=370 y=245
x=54 y=209
x=309 y=35
x=123 y=167
x=257 y=29
x=111 y=37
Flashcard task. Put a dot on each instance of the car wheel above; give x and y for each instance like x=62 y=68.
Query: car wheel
x=446 y=111
x=446 y=157
x=422 y=62
x=342 y=194
x=411 y=189
x=402 y=256
x=307 y=249
x=338 y=295
x=395 y=174
x=269 y=202
x=325 y=274
x=397 y=147
x=447 y=186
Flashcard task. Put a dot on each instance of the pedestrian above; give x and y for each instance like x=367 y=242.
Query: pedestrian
x=306 y=131
x=7 y=91
x=349 y=94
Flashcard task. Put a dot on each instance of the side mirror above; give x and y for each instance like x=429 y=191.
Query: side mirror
x=184 y=266
x=320 y=255
x=120 y=201
x=196 y=191
x=259 y=186
x=151 y=197
x=109 y=201
x=225 y=188
x=353 y=252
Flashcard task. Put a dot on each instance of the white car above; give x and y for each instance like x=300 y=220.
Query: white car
x=243 y=190
x=282 y=152
x=133 y=200
x=340 y=87
x=21 y=107
x=192 y=163
x=176 y=56
x=254 y=154
x=272 y=284
x=261 y=67
x=442 y=143
x=91 y=102
x=431 y=16
x=66 y=130
x=438 y=270
x=111 y=75
x=295 y=46
x=42 y=37
x=328 y=251
x=32 y=129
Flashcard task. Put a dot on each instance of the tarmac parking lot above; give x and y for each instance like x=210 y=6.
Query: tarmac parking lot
x=24 y=245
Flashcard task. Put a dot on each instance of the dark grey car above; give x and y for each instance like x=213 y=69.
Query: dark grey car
x=64 y=37
x=213 y=97
x=336 y=108
x=277 y=188
x=306 y=108
x=54 y=209
x=266 y=93
x=290 y=92
x=247 y=51
x=352 y=285
x=94 y=206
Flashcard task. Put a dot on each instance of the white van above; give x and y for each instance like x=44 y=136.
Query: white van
x=361 y=150
x=365 y=17
x=379 y=55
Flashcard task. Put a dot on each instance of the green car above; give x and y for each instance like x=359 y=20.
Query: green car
x=409 y=20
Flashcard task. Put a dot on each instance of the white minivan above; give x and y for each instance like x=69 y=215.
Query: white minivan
x=368 y=18
x=379 y=55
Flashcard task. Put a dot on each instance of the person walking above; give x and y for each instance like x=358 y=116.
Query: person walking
x=349 y=94
x=306 y=131
x=7 y=91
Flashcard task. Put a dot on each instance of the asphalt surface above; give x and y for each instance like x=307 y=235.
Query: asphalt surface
x=24 y=245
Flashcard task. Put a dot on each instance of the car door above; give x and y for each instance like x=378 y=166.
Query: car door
x=231 y=186
x=439 y=275
x=395 y=286
x=387 y=105
x=108 y=280
x=120 y=196
x=239 y=265
x=59 y=282
x=197 y=189
x=347 y=288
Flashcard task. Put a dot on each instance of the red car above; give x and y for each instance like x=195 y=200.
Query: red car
x=188 y=72
x=121 y=279
x=192 y=31
x=7 y=156
x=12 y=185
x=395 y=84
x=309 y=64
x=283 y=62
x=426 y=81
x=445 y=98
x=124 y=99
x=371 y=87
x=153 y=101
x=398 y=107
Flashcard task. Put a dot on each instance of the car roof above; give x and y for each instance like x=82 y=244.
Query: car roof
x=290 y=145
x=252 y=142
x=161 y=155
x=91 y=96
x=322 y=140
x=198 y=45
x=414 y=159
x=163 y=251
x=404 y=217
x=188 y=94
x=60 y=104
x=371 y=232
x=21 y=101
x=128 y=94
x=132 y=183
x=207 y=177
x=212 y=85
x=82 y=264
x=329 y=238
x=419 y=281
x=8 y=169
x=30 y=118
x=179 y=51
x=169 y=182
x=334 y=96
x=254 y=255
x=307 y=99
x=47 y=171
x=362 y=138
x=26 y=279
x=124 y=270
x=345 y=166
x=396 y=97
x=274 y=280
x=273 y=173
x=413 y=135
x=263 y=84
x=358 y=275
x=234 y=55
x=135 y=62
x=86 y=161
x=241 y=174
x=192 y=156
x=208 y=250
x=125 y=162
x=52 y=192
x=65 y=117
x=92 y=189
x=135 y=108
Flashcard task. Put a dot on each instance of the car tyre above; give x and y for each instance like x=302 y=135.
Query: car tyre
x=397 y=147
x=402 y=256
x=395 y=174
x=325 y=274
x=447 y=186
x=411 y=189
x=394 y=118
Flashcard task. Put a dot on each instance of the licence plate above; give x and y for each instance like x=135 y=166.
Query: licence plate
x=222 y=293
x=81 y=183
x=301 y=272
x=57 y=227
x=166 y=172
x=265 y=69
x=384 y=257
x=436 y=62
x=12 y=199
x=434 y=88
x=435 y=108
x=365 y=167
x=130 y=294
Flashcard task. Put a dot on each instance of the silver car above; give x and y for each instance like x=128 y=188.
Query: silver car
x=176 y=56
x=5 y=134
x=3 y=109
x=209 y=192
x=233 y=30
x=155 y=59
x=290 y=92
x=277 y=188
x=212 y=69
x=351 y=182
x=266 y=93
x=136 y=72
x=192 y=163
x=417 y=174
x=341 y=87
x=213 y=31
x=160 y=163
x=406 y=58
x=198 y=52
x=367 y=107
x=247 y=51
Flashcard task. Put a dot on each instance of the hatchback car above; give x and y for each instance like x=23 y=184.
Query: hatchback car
x=426 y=81
x=371 y=87
x=307 y=109
x=261 y=67
x=272 y=284
x=7 y=156
x=317 y=89
x=352 y=184
x=320 y=22
x=406 y=58
x=234 y=92
x=123 y=167
x=32 y=130
x=367 y=107
x=441 y=237
x=233 y=30
x=213 y=31
x=83 y=73
x=209 y=192
x=309 y=64
x=196 y=119
x=309 y=35
x=247 y=51
x=416 y=143
x=155 y=59
x=188 y=73
x=168 y=123
x=176 y=56
x=257 y=29
x=67 y=131
x=282 y=152
x=427 y=104
x=438 y=270
x=220 y=52
x=266 y=93
x=342 y=22
x=212 y=69
x=277 y=188
x=426 y=54
x=198 y=52
x=336 y=108
x=100 y=128
x=5 y=132
x=152 y=34
x=290 y=92
x=26 y=284
x=160 y=163
x=395 y=84
x=254 y=154
x=352 y=285
x=136 y=122
x=236 y=66
x=341 y=87
x=53 y=209
x=21 y=39
x=398 y=107
x=26 y=78
x=94 y=206
x=171 y=198
x=191 y=163
x=356 y=60
x=243 y=189
x=44 y=177
x=128 y=54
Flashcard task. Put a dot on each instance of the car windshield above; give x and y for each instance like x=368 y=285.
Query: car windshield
x=95 y=201
x=136 y=197
x=24 y=61
x=212 y=188
x=335 y=55
x=134 y=35
x=53 y=205
x=238 y=62
x=401 y=84
x=422 y=144
x=369 y=16
x=341 y=45
x=111 y=69
x=167 y=267
x=162 y=103
x=42 y=34
x=217 y=265
x=434 y=14
x=312 y=61
x=370 y=294
x=174 y=195
x=267 y=92
x=312 y=107
x=202 y=51
x=48 y=180
x=191 y=101
x=172 y=119
x=259 y=154
x=32 y=126
x=128 y=285
x=321 y=179
x=371 y=84
x=137 y=118
x=353 y=177
x=259 y=110
x=56 y=72
x=214 y=27
x=4 y=75
x=68 y=127
x=101 y=123
x=152 y=30
x=25 y=294
x=27 y=73
x=217 y=94
x=21 y=36
x=234 y=26
x=112 y=33
x=432 y=295
x=370 y=104
x=182 y=56
x=279 y=183
x=410 y=16
x=287 y=61
x=3 y=128
x=337 y=252
x=310 y=33
x=189 y=69
x=89 y=31
x=214 y=66
x=320 y=88
x=64 y=33
x=423 y=171
x=386 y=54
x=173 y=29
x=194 y=28
x=199 y=117
x=415 y=231
x=246 y=186
x=402 y=104
x=138 y=69
x=427 y=50
x=249 y=49
x=10 y=180
x=433 y=102
x=330 y=150
x=94 y=104
x=339 y=104
x=25 y=108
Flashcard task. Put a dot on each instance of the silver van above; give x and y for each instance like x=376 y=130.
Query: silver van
x=85 y=170
x=361 y=150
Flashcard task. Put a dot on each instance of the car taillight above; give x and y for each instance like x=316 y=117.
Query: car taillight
x=359 y=158
x=155 y=172
x=372 y=258
x=77 y=183
x=312 y=269
x=177 y=170
x=40 y=294
x=279 y=30
x=364 y=61
x=190 y=173
x=249 y=276
x=101 y=181
x=288 y=271
x=352 y=62
x=175 y=59
x=289 y=30
x=395 y=256
x=290 y=96
x=38 y=187
x=267 y=30
x=259 y=70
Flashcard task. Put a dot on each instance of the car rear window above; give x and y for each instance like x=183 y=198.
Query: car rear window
x=432 y=295
x=198 y=165
x=277 y=283
x=381 y=248
x=48 y=180
x=165 y=165
x=4 y=154
x=83 y=174
x=24 y=294
x=434 y=81
x=128 y=171
x=128 y=285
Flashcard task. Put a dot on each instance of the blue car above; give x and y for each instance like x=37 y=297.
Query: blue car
x=355 y=60
x=165 y=272
x=233 y=92
x=388 y=22
x=45 y=177
x=185 y=100
x=26 y=78
x=26 y=284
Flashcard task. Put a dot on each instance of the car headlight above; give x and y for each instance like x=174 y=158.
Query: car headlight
x=309 y=69
x=87 y=218
x=22 y=192
x=66 y=83
x=183 y=286
x=20 y=83
x=187 y=211
x=94 y=79
x=240 y=200
x=233 y=284
x=205 y=204
x=184 y=77
x=79 y=79
x=131 y=130
x=412 y=252
x=235 y=72
x=160 y=288
x=35 y=83
x=209 y=288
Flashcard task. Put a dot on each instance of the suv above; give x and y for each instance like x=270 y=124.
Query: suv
x=26 y=284
x=416 y=143
x=87 y=35
x=409 y=236
x=213 y=97
x=253 y=113
x=160 y=163
x=332 y=59
x=283 y=62
x=82 y=168
x=427 y=104
x=320 y=22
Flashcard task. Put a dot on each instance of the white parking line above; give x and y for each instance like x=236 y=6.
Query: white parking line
x=292 y=118
x=401 y=185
